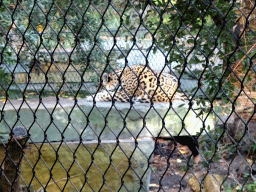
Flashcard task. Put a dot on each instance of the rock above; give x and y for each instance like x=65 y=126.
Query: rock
x=212 y=183
x=194 y=183
x=197 y=159
x=230 y=120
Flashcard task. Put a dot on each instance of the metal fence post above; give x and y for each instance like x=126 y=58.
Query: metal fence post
x=9 y=181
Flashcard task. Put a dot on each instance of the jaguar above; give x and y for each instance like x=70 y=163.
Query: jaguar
x=137 y=83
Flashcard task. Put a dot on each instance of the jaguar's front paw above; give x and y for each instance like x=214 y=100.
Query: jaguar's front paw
x=89 y=98
x=141 y=100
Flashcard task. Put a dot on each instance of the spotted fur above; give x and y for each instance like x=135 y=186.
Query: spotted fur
x=137 y=83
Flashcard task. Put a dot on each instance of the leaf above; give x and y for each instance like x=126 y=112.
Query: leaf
x=192 y=90
x=40 y=28
x=181 y=105
x=253 y=99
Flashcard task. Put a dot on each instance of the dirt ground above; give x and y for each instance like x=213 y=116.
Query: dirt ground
x=169 y=169
x=170 y=173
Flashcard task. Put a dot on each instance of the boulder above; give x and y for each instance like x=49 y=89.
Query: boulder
x=213 y=183
x=194 y=183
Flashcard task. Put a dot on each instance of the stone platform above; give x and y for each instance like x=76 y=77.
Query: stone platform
x=70 y=121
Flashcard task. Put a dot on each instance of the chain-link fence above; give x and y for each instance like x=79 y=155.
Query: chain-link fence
x=127 y=95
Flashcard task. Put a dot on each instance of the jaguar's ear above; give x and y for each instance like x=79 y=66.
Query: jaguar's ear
x=105 y=78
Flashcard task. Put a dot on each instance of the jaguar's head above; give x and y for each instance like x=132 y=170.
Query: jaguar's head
x=110 y=81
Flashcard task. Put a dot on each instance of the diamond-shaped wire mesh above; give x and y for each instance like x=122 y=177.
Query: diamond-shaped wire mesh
x=128 y=95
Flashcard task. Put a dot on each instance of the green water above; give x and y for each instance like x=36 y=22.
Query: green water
x=73 y=162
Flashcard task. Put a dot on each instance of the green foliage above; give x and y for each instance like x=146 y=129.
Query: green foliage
x=195 y=33
x=37 y=33
x=251 y=186
x=215 y=143
x=194 y=26
x=208 y=144
x=4 y=78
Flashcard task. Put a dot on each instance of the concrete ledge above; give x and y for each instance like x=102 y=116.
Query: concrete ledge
x=72 y=121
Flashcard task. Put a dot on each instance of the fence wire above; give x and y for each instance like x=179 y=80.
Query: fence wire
x=127 y=95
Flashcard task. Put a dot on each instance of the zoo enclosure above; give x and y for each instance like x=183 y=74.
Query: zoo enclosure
x=63 y=46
